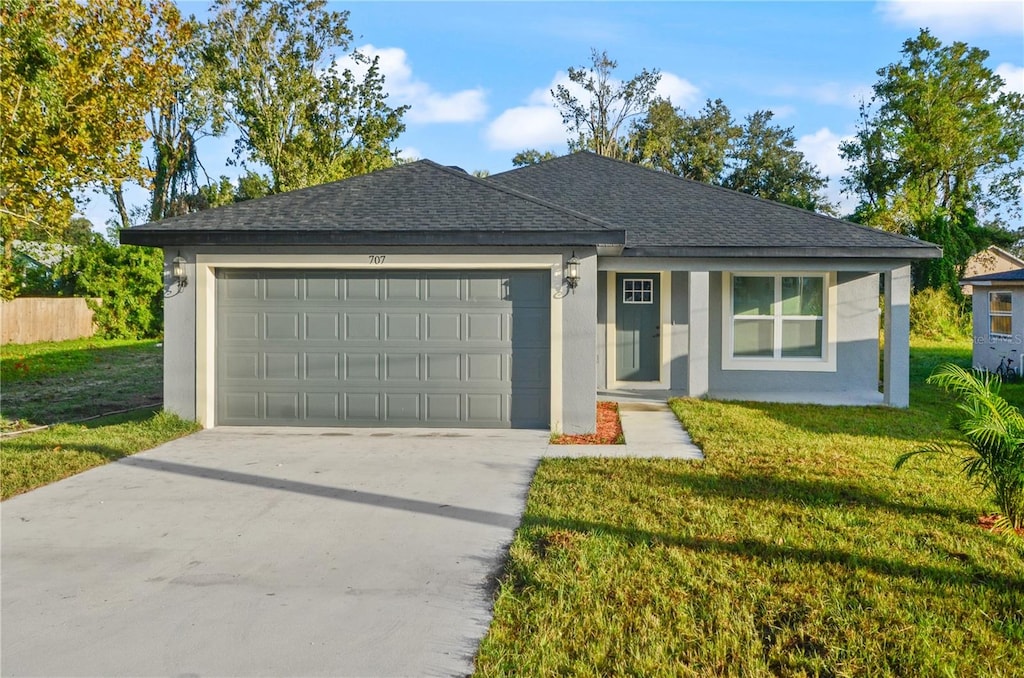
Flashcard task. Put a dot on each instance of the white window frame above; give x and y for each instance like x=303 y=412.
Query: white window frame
x=646 y=290
x=1000 y=314
x=826 y=363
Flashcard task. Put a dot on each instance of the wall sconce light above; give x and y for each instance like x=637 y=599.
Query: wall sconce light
x=178 y=273
x=572 y=272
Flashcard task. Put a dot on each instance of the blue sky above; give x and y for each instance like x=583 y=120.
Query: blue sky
x=478 y=74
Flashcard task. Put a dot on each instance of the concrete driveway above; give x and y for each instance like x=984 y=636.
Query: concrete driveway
x=243 y=552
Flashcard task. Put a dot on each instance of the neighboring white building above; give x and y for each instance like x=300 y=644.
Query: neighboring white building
x=998 y=308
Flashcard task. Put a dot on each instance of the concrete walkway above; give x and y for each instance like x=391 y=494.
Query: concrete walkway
x=650 y=428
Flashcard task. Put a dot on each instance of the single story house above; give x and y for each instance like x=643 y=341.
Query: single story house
x=422 y=296
x=990 y=260
x=998 y=317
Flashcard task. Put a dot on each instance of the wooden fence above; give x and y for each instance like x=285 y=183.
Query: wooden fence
x=29 y=319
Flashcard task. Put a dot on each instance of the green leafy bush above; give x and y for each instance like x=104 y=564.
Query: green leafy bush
x=994 y=431
x=935 y=314
x=127 y=279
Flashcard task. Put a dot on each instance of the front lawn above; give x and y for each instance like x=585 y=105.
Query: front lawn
x=39 y=458
x=794 y=549
x=52 y=382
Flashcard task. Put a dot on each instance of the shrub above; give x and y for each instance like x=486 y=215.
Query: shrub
x=994 y=431
x=127 y=279
x=935 y=314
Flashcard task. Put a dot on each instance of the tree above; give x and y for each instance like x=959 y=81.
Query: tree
x=695 y=147
x=764 y=162
x=77 y=82
x=272 y=70
x=595 y=123
x=531 y=156
x=937 y=154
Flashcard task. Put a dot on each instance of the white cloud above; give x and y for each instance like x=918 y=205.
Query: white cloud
x=426 y=104
x=538 y=124
x=1013 y=75
x=821 y=149
x=680 y=91
x=959 y=17
x=532 y=126
x=410 y=153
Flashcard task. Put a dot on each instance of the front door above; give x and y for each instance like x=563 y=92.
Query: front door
x=637 y=327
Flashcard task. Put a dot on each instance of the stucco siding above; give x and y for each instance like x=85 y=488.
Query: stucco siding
x=680 y=325
x=857 y=360
x=602 y=330
x=989 y=350
x=180 y=338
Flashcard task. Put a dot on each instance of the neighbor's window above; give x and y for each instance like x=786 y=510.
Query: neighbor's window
x=1000 y=312
x=776 y=317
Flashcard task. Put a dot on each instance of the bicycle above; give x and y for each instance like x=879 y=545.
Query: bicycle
x=1006 y=370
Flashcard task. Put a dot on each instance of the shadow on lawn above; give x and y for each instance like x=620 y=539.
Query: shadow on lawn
x=970 y=574
x=817 y=493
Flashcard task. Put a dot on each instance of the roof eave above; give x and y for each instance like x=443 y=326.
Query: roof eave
x=753 y=252
x=154 y=237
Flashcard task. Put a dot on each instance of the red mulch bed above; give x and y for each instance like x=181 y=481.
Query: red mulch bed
x=989 y=523
x=609 y=429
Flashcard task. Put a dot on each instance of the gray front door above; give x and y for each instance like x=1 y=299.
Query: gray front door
x=637 y=327
x=346 y=348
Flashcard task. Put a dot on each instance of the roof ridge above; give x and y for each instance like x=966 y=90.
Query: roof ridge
x=524 y=196
x=730 y=191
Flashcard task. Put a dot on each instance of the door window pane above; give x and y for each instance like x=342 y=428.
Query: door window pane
x=802 y=295
x=801 y=338
x=753 y=338
x=753 y=295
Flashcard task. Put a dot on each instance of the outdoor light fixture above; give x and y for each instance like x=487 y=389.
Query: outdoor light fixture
x=178 y=271
x=572 y=272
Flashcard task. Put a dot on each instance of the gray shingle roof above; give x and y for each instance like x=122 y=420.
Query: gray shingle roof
x=1016 y=275
x=668 y=215
x=416 y=203
x=579 y=199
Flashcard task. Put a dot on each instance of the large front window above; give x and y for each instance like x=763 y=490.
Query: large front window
x=775 y=320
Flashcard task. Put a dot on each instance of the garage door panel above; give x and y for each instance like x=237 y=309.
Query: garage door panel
x=402 y=327
x=443 y=367
x=322 y=288
x=402 y=367
x=376 y=348
x=361 y=366
x=402 y=407
x=443 y=326
x=321 y=406
x=282 y=406
x=278 y=326
x=485 y=409
x=321 y=326
x=321 y=366
x=245 y=325
x=281 y=366
x=485 y=327
x=399 y=287
x=281 y=289
x=362 y=326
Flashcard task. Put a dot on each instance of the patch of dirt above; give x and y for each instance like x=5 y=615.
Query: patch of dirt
x=988 y=523
x=609 y=429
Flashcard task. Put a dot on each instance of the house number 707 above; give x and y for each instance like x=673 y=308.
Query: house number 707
x=377 y=258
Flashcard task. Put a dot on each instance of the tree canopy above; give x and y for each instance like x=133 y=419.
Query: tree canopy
x=273 y=69
x=938 y=154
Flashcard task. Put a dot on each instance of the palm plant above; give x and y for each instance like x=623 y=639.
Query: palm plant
x=994 y=431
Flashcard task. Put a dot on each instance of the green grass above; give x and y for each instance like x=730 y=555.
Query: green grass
x=53 y=382
x=793 y=550
x=34 y=459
